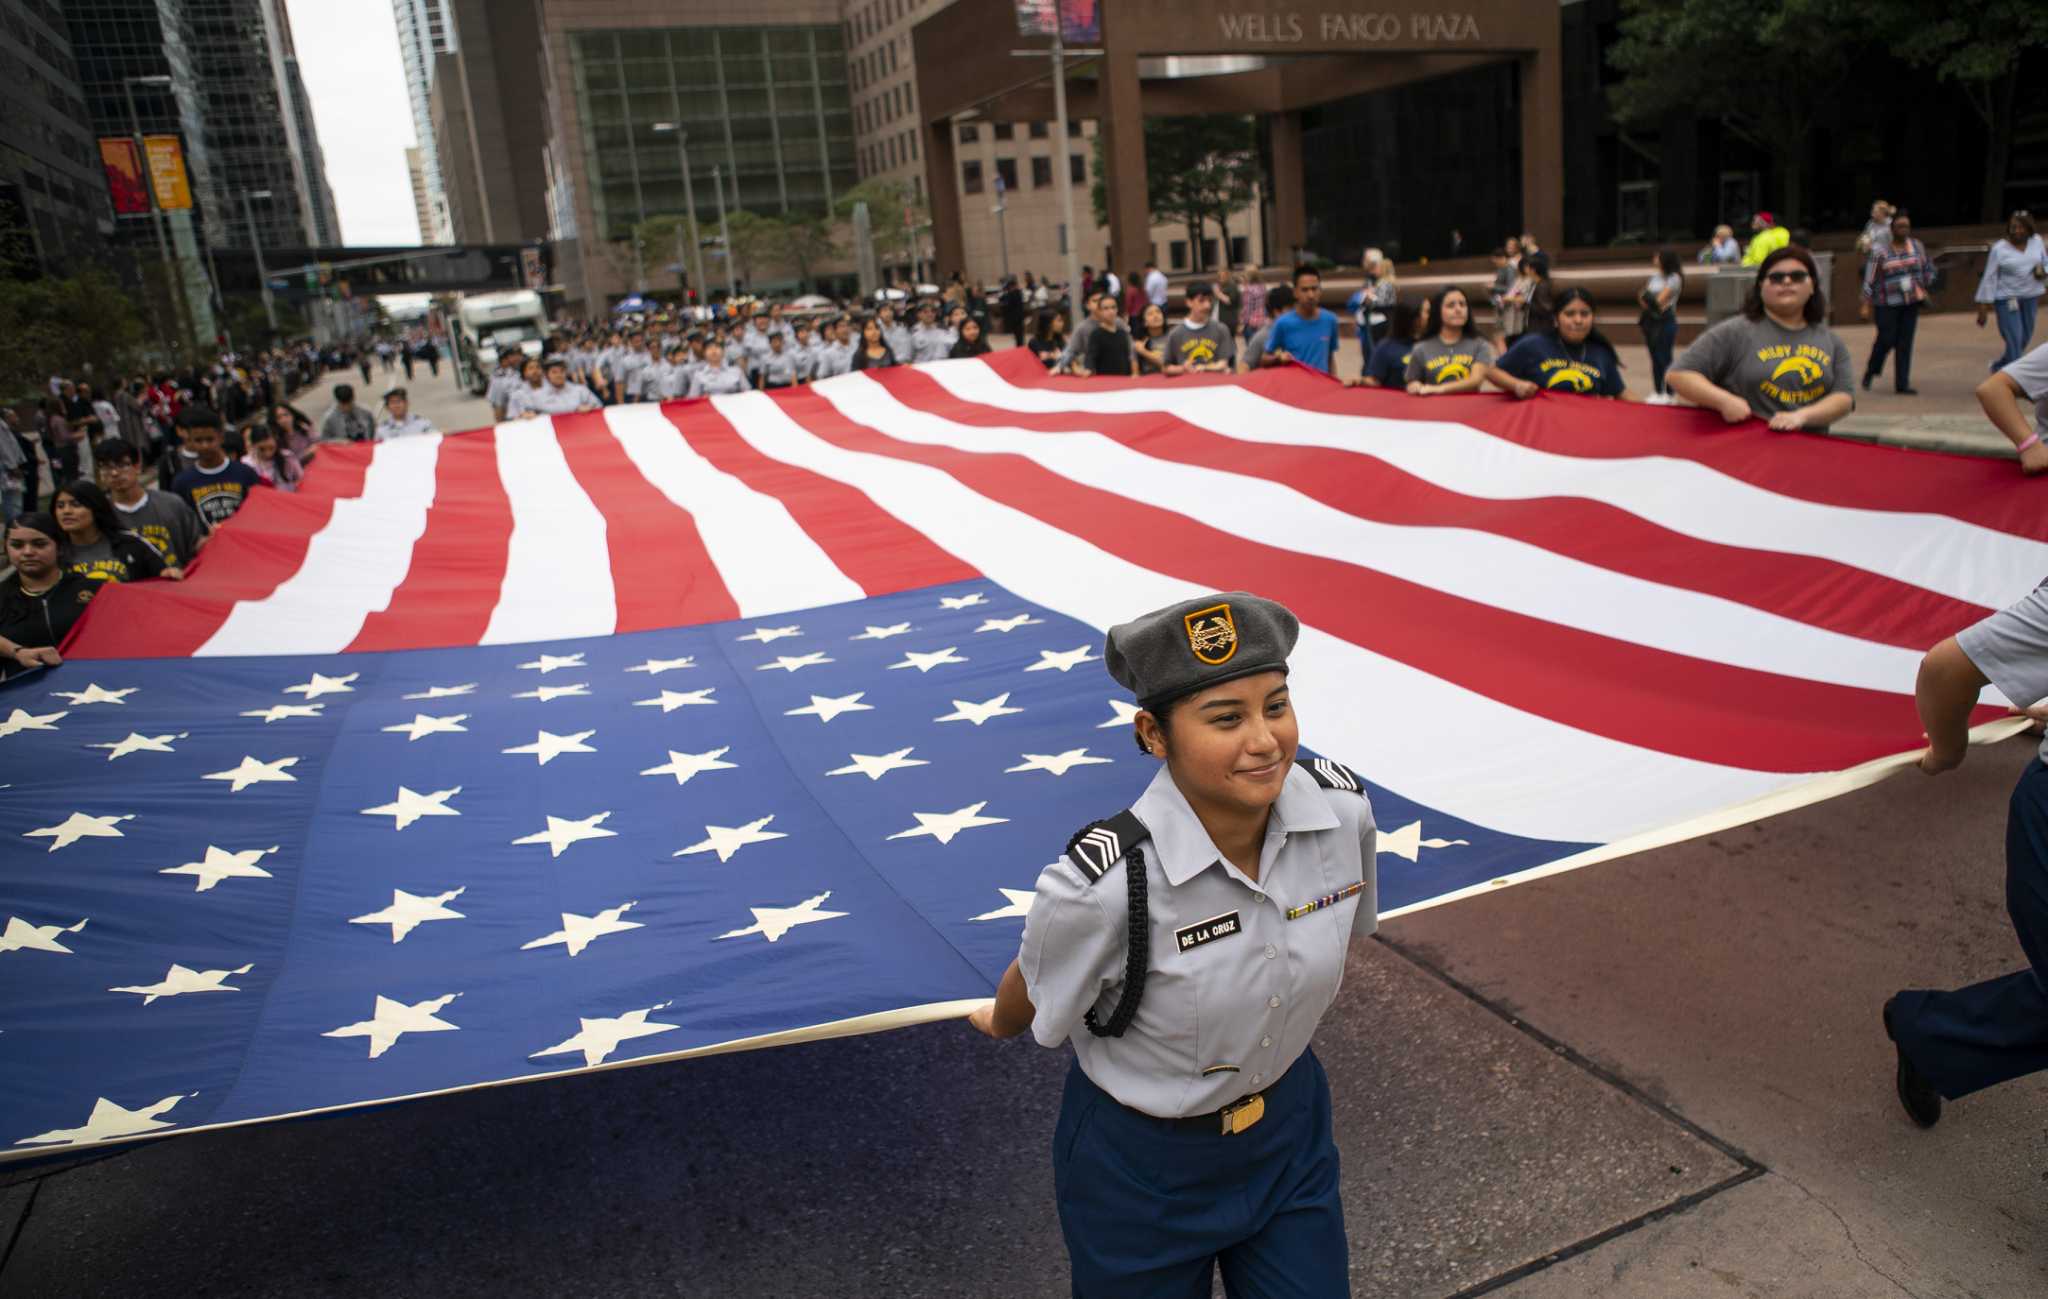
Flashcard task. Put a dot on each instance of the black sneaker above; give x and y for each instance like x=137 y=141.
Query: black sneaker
x=1868 y=379
x=1922 y=1103
x=1908 y=392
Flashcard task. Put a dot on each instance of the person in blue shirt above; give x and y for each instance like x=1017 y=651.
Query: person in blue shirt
x=1387 y=367
x=1570 y=356
x=1308 y=334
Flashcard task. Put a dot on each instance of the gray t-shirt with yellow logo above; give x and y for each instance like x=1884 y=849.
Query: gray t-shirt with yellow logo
x=1769 y=366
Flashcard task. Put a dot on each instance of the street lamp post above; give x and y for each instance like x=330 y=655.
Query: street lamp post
x=725 y=235
x=256 y=247
x=156 y=208
x=689 y=201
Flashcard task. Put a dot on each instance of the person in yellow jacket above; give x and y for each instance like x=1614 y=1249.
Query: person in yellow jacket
x=1769 y=238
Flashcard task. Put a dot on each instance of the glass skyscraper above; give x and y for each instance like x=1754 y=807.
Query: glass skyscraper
x=766 y=105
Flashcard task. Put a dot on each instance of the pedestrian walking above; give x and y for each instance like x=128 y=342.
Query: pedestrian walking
x=1195 y=1130
x=1658 y=318
x=1897 y=273
x=2015 y=276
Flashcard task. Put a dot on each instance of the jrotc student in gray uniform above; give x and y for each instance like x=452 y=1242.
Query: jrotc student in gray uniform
x=499 y=391
x=894 y=332
x=930 y=341
x=717 y=377
x=675 y=375
x=803 y=352
x=1188 y=947
x=778 y=367
x=1953 y=1043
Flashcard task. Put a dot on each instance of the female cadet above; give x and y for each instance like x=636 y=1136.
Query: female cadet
x=1571 y=355
x=1198 y=938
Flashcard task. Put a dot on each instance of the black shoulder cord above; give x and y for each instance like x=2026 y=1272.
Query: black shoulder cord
x=1138 y=949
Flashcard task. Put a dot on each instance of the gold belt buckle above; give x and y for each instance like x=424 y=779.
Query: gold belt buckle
x=1238 y=1117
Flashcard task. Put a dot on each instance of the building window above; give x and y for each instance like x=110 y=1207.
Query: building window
x=1041 y=173
x=1007 y=169
x=1177 y=252
x=970 y=176
x=892 y=151
x=1073 y=128
x=1077 y=168
x=1208 y=253
x=913 y=146
x=1038 y=131
x=1005 y=131
x=1240 y=249
x=969 y=133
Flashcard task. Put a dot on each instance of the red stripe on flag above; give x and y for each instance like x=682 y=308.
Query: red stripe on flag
x=247 y=558
x=662 y=576
x=1808 y=589
x=458 y=563
x=1828 y=471
x=876 y=550
x=1669 y=703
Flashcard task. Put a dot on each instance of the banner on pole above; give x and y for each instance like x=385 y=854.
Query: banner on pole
x=125 y=185
x=167 y=172
x=1078 y=22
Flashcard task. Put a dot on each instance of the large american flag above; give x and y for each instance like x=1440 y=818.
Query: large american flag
x=592 y=741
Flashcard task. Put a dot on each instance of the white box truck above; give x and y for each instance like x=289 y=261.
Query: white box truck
x=486 y=325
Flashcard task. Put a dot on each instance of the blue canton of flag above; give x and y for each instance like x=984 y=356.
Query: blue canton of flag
x=244 y=889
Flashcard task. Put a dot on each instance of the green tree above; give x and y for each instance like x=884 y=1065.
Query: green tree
x=59 y=326
x=805 y=239
x=1976 y=46
x=664 y=237
x=1769 y=70
x=1197 y=169
x=755 y=240
x=887 y=201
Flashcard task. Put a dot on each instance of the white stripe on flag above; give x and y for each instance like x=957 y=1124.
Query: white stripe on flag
x=558 y=570
x=352 y=564
x=1962 y=560
x=1493 y=570
x=1433 y=741
x=767 y=561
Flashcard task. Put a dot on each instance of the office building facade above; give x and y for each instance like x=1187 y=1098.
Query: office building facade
x=54 y=213
x=427 y=29
x=486 y=123
x=757 y=94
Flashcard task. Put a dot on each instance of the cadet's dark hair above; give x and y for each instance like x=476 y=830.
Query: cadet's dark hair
x=1301 y=269
x=196 y=416
x=1566 y=298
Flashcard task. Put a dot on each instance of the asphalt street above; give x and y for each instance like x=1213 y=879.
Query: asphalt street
x=1662 y=1076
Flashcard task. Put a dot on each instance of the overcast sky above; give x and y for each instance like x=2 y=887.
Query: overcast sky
x=348 y=55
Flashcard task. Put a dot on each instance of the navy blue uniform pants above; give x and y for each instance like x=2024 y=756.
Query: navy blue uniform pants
x=1151 y=1210
x=1969 y=1039
x=1896 y=327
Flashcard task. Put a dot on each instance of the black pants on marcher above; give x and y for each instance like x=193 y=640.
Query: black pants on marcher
x=1895 y=329
x=1974 y=1037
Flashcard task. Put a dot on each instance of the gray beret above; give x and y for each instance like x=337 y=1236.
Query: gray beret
x=1199 y=643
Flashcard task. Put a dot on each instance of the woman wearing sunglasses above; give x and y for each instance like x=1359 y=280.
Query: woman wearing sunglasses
x=1778 y=360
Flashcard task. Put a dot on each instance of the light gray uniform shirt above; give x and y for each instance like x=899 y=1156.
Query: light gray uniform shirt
x=1235 y=989
x=833 y=359
x=2011 y=647
x=550 y=400
x=711 y=381
x=934 y=344
x=1769 y=366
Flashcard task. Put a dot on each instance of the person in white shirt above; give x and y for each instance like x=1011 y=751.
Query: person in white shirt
x=398 y=421
x=1155 y=285
x=555 y=396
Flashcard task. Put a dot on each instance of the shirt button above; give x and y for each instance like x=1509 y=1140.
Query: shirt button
x=1271 y=951
x=1273 y=1002
x=1265 y=1041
